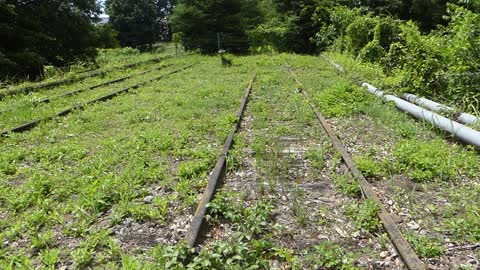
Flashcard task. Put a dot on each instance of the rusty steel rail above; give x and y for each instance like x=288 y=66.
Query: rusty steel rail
x=74 y=92
x=34 y=123
x=216 y=175
x=408 y=255
x=34 y=88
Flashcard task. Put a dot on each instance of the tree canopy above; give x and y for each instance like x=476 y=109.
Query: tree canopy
x=57 y=32
x=36 y=33
x=135 y=21
x=201 y=23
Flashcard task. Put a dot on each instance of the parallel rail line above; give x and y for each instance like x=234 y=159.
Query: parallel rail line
x=217 y=175
x=30 y=125
x=408 y=255
x=74 y=92
x=34 y=88
x=80 y=90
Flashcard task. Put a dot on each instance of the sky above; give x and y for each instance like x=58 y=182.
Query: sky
x=102 y=15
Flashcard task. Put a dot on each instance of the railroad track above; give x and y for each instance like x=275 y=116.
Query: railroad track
x=80 y=90
x=31 y=124
x=295 y=168
x=121 y=79
x=216 y=175
x=410 y=258
x=40 y=86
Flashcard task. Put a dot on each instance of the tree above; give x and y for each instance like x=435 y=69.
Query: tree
x=136 y=21
x=290 y=27
x=36 y=33
x=200 y=21
x=107 y=36
x=428 y=13
x=165 y=9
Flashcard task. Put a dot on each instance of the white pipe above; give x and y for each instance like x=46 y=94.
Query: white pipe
x=464 y=118
x=458 y=130
x=372 y=89
x=337 y=66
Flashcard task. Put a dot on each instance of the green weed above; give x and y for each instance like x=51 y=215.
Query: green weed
x=43 y=240
x=462 y=217
x=425 y=247
x=299 y=211
x=346 y=184
x=192 y=169
x=317 y=157
x=365 y=215
x=370 y=167
x=343 y=99
x=50 y=257
x=331 y=256
x=83 y=255
x=433 y=160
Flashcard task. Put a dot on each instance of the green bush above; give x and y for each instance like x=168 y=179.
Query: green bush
x=333 y=23
x=461 y=51
x=433 y=160
x=369 y=167
x=365 y=215
x=329 y=255
x=274 y=35
x=343 y=99
x=372 y=52
x=440 y=64
x=426 y=247
x=423 y=61
x=359 y=33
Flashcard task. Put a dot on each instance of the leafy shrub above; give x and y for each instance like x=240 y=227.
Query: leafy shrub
x=274 y=35
x=334 y=22
x=106 y=36
x=329 y=255
x=393 y=57
x=443 y=63
x=365 y=215
x=422 y=61
x=461 y=51
x=343 y=99
x=347 y=185
x=426 y=247
x=372 y=52
x=432 y=160
x=359 y=33
x=370 y=167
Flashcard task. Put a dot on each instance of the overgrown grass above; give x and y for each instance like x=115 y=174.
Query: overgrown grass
x=68 y=184
x=434 y=160
x=16 y=110
x=106 y=59
x=342 y=99
x=99 y=164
